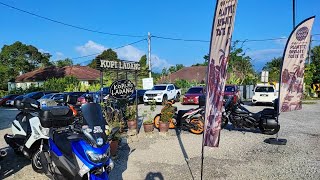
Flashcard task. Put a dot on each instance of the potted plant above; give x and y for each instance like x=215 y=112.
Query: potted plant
x=115 y=139
x=148 y=123
x=166 y=116
x=130 y=115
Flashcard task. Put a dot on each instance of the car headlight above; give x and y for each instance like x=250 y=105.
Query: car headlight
x=159 y=94
x=98 y=158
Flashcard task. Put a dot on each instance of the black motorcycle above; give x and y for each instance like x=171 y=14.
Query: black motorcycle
x=240 y=117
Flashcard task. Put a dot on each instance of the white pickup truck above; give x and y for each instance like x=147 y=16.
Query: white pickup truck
x=161 y=93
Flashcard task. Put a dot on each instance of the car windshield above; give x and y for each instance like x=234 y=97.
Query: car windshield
x=31 y=94
x=229 y=89
x=264 y=89
x=7 y=96
x=195 y=90
x=159 y=87
x=46 y=96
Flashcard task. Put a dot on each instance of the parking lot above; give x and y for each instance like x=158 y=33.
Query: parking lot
x=241 y=155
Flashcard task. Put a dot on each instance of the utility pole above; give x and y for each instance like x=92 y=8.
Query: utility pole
x=149 y=53
x=294 y=13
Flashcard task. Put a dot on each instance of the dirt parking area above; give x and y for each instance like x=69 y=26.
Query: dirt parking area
x=241 y=155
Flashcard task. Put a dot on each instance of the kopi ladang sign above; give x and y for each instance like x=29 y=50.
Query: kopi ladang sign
x=121 y=65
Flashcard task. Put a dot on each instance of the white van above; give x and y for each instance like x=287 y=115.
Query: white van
x=264 y=94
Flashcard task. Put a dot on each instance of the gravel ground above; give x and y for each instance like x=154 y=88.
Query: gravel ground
x=241 y=155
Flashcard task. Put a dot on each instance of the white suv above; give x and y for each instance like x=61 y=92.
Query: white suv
x=264 y=94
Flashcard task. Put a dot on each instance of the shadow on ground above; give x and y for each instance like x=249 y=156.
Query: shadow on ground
x=12 y=163
x=121 y=161
x=154 y=176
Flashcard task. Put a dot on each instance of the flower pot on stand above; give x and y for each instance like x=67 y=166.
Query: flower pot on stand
x=163 y=126
x=148 y=127
x=114 y=147
x=132 y=124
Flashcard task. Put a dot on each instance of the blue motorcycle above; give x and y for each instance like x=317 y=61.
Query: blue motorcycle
x=77 y=150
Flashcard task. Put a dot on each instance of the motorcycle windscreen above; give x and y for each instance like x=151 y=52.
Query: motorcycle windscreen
x=92 y=115
x=94 y=124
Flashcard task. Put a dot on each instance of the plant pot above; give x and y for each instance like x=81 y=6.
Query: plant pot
x=132 y=124
x=163 y=126
x=148 y=127
x=114 y=147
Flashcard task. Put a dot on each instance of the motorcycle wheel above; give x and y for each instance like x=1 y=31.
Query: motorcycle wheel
x=224 y=122
x=35 y=162
x=270 y=131
x=156 y=121
x=199 y=124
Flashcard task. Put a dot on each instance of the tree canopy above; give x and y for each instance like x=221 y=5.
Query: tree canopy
x=20 y=58
x=108 y=54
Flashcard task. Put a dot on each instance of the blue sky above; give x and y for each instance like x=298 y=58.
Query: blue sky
x=255 y=19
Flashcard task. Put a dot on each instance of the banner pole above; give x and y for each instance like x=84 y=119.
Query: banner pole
x=202 y=151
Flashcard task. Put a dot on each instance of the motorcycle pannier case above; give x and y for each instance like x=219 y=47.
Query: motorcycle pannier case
x=55 y=116
x=268 y=118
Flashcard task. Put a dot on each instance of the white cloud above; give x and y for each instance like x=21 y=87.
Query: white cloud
x=43 y=51
x=129 y=53
x=90 y=48
x=59 y=55
x=265 y=54
x=157 y=64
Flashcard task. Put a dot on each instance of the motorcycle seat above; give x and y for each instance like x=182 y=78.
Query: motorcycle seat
x=62 y=142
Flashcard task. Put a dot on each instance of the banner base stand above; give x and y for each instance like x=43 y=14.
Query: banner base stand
x=276 y=141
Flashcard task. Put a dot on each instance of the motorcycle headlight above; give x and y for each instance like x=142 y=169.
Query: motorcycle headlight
x=98 y=158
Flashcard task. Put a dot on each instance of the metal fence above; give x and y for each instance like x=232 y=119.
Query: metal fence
x=246 y=91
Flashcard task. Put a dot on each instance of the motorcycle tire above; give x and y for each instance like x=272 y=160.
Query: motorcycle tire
x=35 y=162
x=224 y=122
x=199 y=124
x=156 y=121
x=270 y=131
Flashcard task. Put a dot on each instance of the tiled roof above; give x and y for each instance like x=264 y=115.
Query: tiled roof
x=42 y=74
x=193 y=73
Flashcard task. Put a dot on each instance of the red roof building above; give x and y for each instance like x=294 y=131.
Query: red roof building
x=84 y=74
x=193 y=73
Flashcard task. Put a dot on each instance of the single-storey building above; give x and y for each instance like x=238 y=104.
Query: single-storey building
x=84 y=74
x=193 y=73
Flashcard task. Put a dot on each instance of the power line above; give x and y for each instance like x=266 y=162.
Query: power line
x=178 y=39
x=69 y=25
x=79 y=57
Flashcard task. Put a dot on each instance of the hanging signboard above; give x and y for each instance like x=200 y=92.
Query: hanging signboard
x=117 y=65
x=264 y=76
x=147 y=83
x=121 y=89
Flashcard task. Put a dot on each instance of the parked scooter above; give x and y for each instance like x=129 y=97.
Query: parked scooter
x=191 y=119
x=27 y=131
x=240 y=117
x=80 y=150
